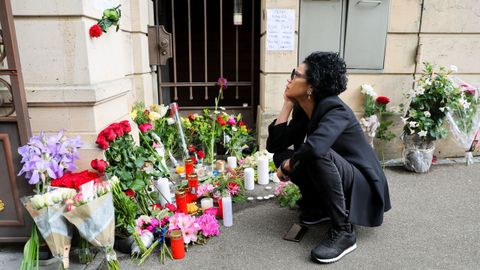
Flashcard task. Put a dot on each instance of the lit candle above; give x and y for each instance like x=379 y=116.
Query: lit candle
x=262 y=170
x=206 y=203
x=163 y=187
x=249 y=174
x=232 y=162
x=227 y=211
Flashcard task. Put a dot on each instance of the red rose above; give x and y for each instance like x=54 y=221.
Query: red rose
x=201 y=154
x=129 y=192
x=194 y=160
x=156 y=206
x=95 y=31
x=191 y=117
x=241 y=123
x=145 y=127
x=383 y=100
x=191 y=148
x=99 y=165
x=171 y=207
x=102 y=142
x=109 y=134
x=126 y=126
x=117 y=128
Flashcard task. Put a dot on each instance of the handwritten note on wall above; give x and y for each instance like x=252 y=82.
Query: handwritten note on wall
x=280 y=29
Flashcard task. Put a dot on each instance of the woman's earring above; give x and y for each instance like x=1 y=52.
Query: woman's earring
x=309 y=93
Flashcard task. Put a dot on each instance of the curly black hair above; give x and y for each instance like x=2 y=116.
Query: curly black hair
x=326 y=73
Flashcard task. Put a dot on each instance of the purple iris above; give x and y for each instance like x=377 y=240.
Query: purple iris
x=48 y=157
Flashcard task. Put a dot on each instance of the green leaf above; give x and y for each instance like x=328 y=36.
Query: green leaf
x=139 y=162
x=137 y=185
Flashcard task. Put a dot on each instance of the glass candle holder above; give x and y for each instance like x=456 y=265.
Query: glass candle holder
x=176 y=242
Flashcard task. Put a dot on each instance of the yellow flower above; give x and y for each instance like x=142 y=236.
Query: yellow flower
x=243 y=129
x=154 y=116
x=133 y=114
x=154 y=107
x=180 y=169
x=192 y=208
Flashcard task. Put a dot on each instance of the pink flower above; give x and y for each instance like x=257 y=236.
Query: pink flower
x=203 y=189
x=208 y=225
x=145 y=127
x=211 y=211
x=186 y=224
x=279 y=188
x=231 y=121
x=150 y=228
x=233 y=188
x=154 y=222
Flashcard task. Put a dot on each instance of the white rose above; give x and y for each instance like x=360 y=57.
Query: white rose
x=420 y=90
x=367 y=89
x=427 y=114
x=170 y=121
x=453 y=68
x=38 y=201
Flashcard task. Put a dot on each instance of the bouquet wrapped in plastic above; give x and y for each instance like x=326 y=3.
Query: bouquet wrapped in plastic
x=464 y=118
x=94 y=217
x=46 y=210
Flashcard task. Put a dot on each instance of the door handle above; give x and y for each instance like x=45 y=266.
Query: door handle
x=369 y=2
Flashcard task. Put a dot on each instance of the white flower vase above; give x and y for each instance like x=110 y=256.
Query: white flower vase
x=417 y=154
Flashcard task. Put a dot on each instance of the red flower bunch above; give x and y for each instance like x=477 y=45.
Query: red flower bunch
x=99 y=165
x=113 y=131
x=75 y=180
x=200 y=154
x=95 y=31
x=221 y=121
x=382 y=100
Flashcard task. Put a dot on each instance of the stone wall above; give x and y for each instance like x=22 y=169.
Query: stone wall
x=77 y=83
x=447 y=31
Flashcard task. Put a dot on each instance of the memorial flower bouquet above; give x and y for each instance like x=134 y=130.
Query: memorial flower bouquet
x=424 y=115
x=464 y=118
x=287 y=194
x=45 y=157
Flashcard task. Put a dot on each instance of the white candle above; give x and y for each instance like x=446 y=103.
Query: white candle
x=262 y=170
x=206 y=203
x=232 y=162
x=163 y=187
x=227 y=211
x=249 y=174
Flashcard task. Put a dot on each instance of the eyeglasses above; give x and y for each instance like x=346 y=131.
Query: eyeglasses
x=295 y=74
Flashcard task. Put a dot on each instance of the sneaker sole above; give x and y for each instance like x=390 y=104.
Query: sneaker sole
x=332 y=260
x=315 y=222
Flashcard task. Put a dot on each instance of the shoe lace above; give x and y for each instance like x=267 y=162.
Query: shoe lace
x=333 y=236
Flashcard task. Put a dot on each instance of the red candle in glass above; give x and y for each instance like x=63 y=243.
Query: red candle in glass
x=193 y=184
x=220 y=208
x=181 y=199
x=178 y=247
x=189 y=167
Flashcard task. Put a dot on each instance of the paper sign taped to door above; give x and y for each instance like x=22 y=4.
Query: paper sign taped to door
x=280 y=29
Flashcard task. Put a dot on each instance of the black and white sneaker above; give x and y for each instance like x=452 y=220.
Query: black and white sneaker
x=312 y=218
x=337 y=244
